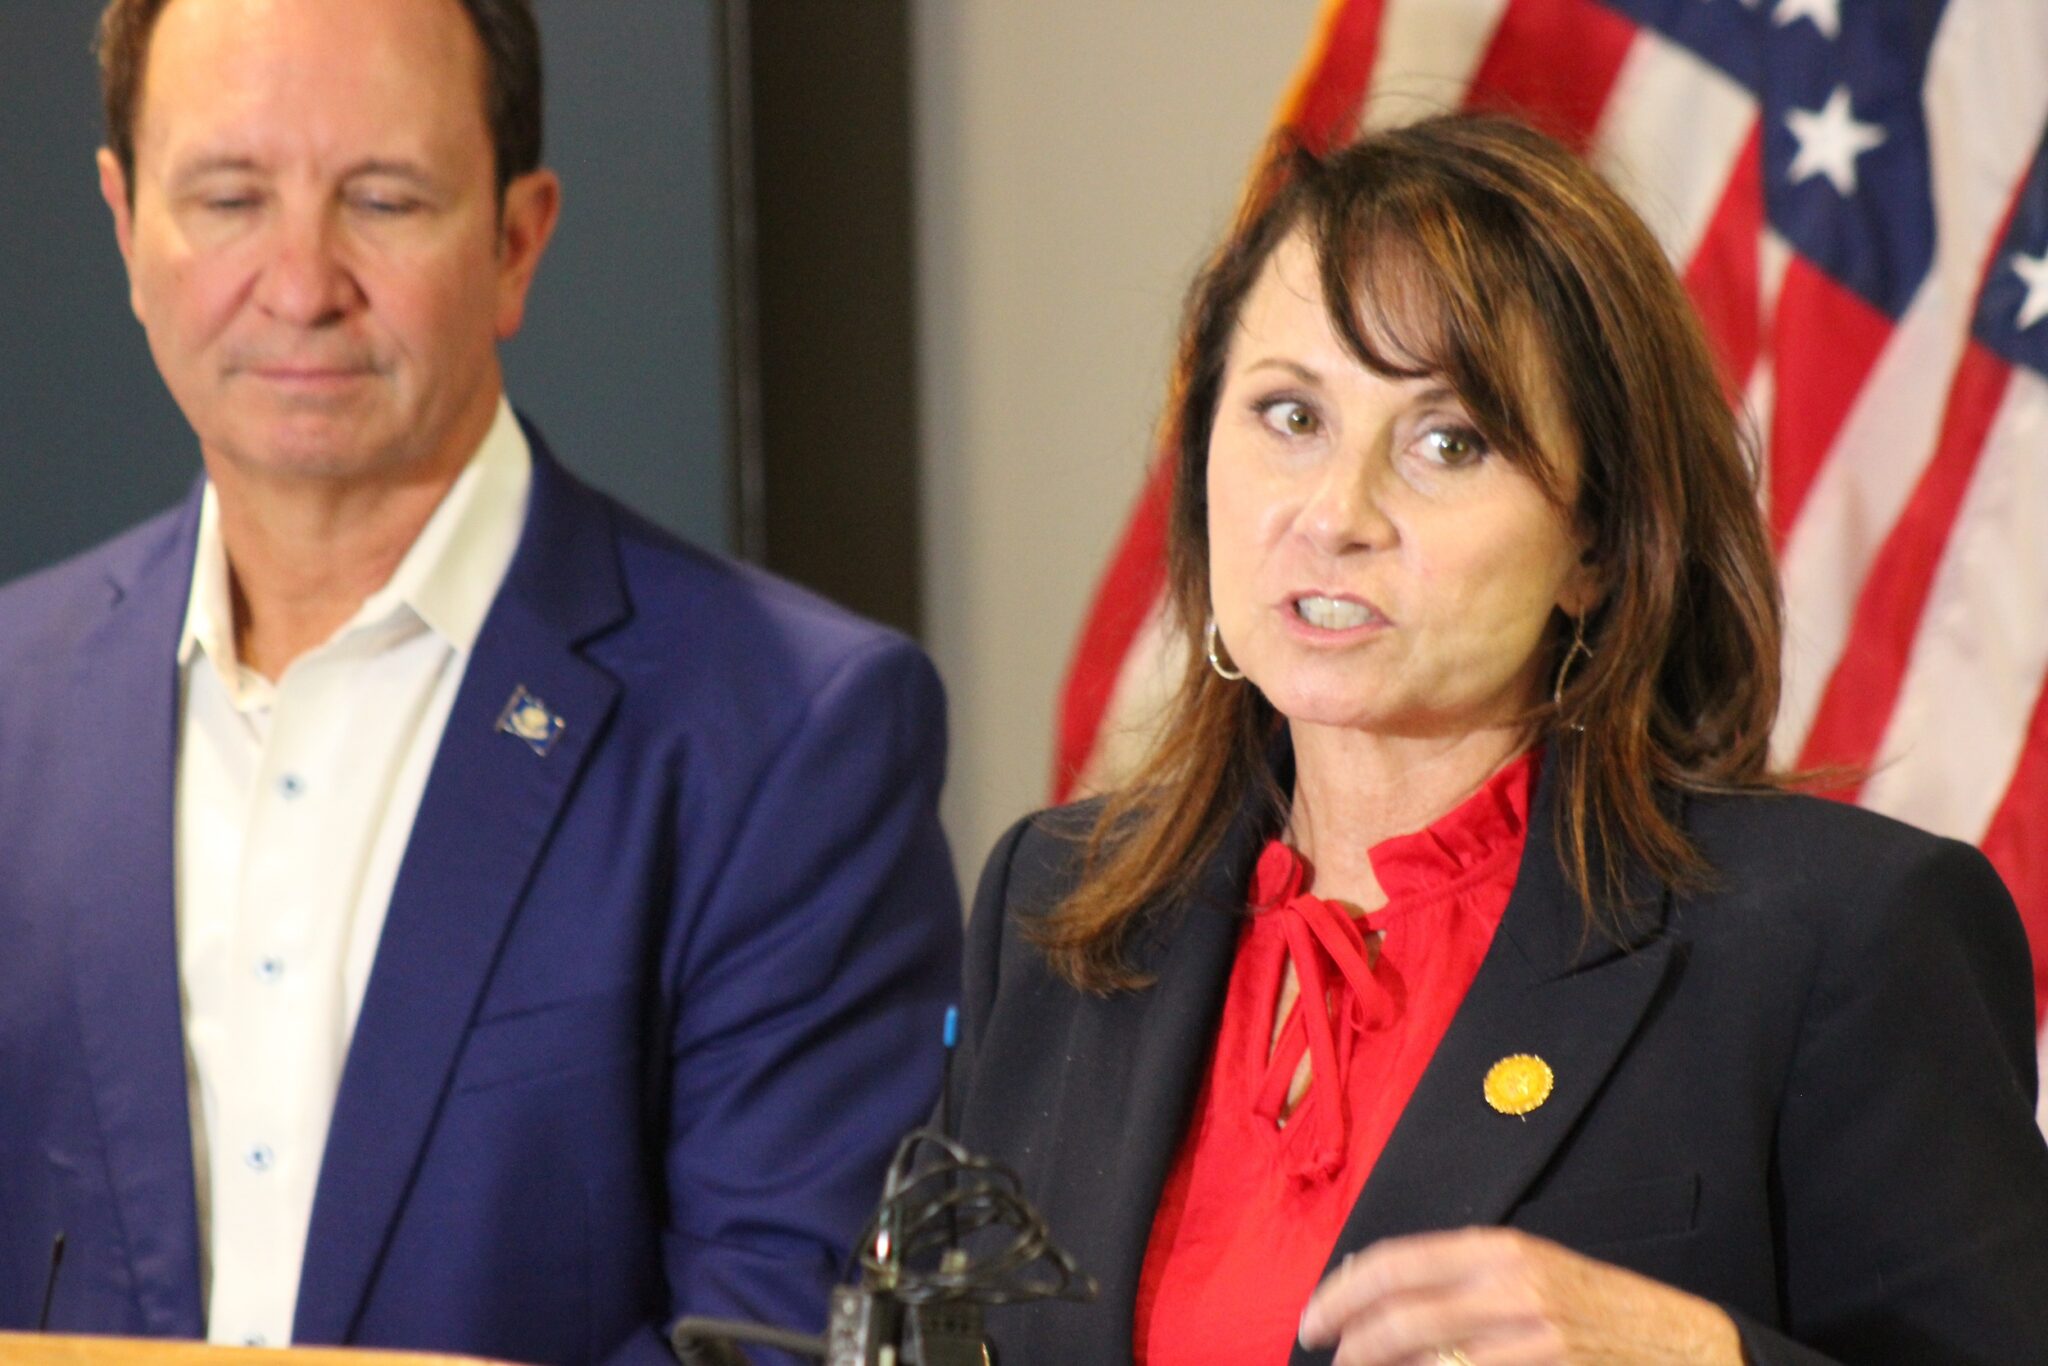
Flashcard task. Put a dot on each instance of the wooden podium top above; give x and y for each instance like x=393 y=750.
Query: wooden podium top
x=25 y=1350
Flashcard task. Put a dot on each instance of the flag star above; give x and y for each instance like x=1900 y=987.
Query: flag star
x=2034 y=270
x=1825 y=14
x=1830 y=140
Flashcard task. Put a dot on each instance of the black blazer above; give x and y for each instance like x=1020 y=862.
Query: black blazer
x=1806 y=1094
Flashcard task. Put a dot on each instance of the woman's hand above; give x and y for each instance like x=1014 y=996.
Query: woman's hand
x=1497 y=1295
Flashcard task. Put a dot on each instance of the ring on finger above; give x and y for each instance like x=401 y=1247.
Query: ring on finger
x=1451 y=1356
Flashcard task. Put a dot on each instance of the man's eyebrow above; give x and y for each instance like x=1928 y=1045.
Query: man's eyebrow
x=219 y=163
x=385 y=166
x=234 y=163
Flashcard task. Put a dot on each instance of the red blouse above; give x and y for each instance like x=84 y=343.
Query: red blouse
x=1254 y=1204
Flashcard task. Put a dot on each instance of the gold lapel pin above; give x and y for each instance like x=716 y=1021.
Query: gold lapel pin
x=527 y=718
x=1519 y=1083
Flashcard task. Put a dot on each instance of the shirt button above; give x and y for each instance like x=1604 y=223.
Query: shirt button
x=291 y=786
x=255 y=1340
x=269 y=969
x=260 y=1158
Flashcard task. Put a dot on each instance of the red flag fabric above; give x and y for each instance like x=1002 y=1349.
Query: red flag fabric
x=1856 y=196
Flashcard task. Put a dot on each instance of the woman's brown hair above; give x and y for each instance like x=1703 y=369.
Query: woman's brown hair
x=1454 y=247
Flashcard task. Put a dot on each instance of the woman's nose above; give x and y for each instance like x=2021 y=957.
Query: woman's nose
x=1344 y=512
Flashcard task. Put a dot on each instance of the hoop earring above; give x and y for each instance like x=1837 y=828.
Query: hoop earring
x=1573 y=651
x=1228 y=673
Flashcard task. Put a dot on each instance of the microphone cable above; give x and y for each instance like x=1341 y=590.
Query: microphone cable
x=956 y=1226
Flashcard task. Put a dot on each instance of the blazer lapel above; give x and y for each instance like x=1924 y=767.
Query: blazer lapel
x=120 y=717
x=1543 y=989
x=1148 y=1052
x=490 y=805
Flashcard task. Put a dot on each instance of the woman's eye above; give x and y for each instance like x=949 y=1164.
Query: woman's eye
x=1454 y=447
x=1290 y=417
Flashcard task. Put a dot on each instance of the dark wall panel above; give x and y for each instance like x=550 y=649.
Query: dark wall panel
x=832 y=340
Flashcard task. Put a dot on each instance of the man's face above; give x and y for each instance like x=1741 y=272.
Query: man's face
x=315 y=246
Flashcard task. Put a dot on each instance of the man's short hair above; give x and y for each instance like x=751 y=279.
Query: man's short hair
x=512 y=78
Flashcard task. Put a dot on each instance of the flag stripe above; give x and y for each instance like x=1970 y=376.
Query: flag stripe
x=1145 y=686
x=1857 y=705
x=2015 y=847
x=1135 y=582
x=1672 y=138
x=1553 y=63
x=1774 y=259
x=1723 y=276
x=1427 y=53
x=1978 y=661
x=1324 y=106
x=1825 y=381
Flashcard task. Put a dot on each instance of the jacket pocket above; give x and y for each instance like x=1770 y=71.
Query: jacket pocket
x=1603 y=1216
x=586 y=1033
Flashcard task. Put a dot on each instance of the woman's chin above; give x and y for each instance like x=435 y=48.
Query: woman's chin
x=1341 y=711
x=1392 y=719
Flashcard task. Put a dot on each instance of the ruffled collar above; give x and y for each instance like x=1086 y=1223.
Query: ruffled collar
x=1463 y=843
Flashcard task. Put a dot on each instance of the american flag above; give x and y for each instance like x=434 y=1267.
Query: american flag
x=1856 y=194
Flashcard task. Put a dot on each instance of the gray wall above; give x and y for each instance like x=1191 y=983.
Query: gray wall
x=89 y=440
x=622 y=361
x=1076 y=160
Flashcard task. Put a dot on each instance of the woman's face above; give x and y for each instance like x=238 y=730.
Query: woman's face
x=1373 y=564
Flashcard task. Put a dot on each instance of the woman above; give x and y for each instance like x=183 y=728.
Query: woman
x=1454 y=982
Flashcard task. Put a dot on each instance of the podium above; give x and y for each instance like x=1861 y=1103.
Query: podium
x=19 y=1349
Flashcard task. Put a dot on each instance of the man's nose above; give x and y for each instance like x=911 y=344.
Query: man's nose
x=305 y=281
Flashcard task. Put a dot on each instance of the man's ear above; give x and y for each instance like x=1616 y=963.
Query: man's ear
x=533 y=204
x=114 y=190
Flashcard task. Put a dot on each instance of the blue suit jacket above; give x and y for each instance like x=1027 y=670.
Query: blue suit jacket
x=648 y=1012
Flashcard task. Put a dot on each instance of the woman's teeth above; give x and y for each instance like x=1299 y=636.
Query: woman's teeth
x=1331 y=614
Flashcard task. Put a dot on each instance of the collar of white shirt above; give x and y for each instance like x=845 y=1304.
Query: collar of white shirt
x=446 y=582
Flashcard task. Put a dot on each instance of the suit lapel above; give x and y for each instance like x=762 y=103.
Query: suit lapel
x=1543 y=990
x=489 y=808
x=121 y=718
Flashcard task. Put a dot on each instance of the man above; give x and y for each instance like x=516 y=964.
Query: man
x=439 y=909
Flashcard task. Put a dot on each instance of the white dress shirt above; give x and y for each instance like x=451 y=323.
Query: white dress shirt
x=295 y=800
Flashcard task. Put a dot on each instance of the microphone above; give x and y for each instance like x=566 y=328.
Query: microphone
x=50 y=1285
x=953 y=1234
